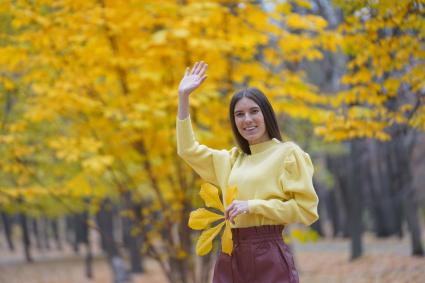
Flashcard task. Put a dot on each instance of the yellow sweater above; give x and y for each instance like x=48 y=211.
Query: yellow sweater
x=275 y=179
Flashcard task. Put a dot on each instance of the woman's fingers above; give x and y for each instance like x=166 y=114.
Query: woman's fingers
x=232 y=211
x=235 y=212
x=187 y=71
x=203 y=79
x=235 y=208
x=199 y=67
x=228 y=209
x=233 y=215
x=202 y=70
x=194 y=68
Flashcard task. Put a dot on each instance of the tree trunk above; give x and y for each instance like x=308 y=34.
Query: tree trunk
x=332 y=209
x=133 y=241
x=411 y=211
x=355 y=186
x=348 y=174
x=45 y=232
x=382 y=190
x=36 y=232
x=410 y=206
x=395 y=185
x=106 y=227
x=89 y=256
x=8 y=230
x=55 y=231
x=317 y=226
x=23 y=221
x=69 y=230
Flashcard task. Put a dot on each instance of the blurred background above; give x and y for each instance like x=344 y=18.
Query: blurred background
x=91 y=187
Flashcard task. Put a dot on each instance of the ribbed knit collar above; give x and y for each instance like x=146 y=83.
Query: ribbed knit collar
x=259 y=147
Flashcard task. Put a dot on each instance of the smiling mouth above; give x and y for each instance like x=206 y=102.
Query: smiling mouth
x=248 y=129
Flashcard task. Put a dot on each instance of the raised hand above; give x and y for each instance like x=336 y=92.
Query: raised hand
x=193 y=78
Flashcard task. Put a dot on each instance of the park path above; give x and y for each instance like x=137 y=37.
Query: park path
x=325 y=261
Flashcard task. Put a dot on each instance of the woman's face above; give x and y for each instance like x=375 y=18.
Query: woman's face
x=250 y=121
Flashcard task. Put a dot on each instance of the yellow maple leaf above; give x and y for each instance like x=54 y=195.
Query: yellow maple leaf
x=226 y=240
x=200 y=218
x=230 y=194
x=209 y=194
x=204 y=243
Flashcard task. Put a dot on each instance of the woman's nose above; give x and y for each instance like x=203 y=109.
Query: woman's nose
x=248 y=117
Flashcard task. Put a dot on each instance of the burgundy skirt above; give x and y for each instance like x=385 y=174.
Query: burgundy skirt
x=259 y=256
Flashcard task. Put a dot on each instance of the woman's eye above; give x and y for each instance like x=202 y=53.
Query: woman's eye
x=255 y=111
x=239 y=114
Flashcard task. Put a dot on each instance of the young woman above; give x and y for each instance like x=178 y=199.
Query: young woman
x=274 y=181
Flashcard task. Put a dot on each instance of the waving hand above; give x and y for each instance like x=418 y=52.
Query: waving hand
x=193 y=78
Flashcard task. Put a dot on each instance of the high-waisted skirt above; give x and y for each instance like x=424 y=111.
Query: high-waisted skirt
x=259 y=256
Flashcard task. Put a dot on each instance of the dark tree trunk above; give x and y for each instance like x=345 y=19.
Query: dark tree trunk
x=338 y=167
x=411 y=210
x=133 y=245
x=317 y=226
x=89 y=260
x=77 y=239
x=348 y=174
x=332 y=209
x=45 y=232
x=69 y=230
x=337 y=208
x=72 y=228
x=402 y=153
x=55 y=231
x=133 y=239
x=356 y=183
x=395 y=185
x=106 y=227
x=36 y=232
x=23 y=221
x=7 y=224
x=384 y=200
x=85 y=238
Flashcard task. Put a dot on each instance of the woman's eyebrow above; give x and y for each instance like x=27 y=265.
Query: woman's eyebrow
x=252 y=108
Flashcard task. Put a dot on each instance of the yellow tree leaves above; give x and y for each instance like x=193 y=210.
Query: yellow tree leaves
x=98 y=164
x=307 y=22
x=382 y=42
x=201 y=218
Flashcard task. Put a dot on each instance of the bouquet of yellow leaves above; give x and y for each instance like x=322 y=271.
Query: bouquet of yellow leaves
x=201 y=218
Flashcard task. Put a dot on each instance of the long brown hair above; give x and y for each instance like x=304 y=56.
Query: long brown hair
x=266 y=108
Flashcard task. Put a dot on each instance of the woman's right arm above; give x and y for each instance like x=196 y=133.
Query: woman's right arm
x=198 y=156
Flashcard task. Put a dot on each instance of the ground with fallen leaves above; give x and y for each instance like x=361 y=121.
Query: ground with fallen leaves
x=325 y=261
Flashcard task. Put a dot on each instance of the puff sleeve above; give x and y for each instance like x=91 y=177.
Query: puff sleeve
x=211 y=165
x=299 y=202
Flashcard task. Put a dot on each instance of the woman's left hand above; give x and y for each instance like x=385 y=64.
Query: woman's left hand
x=235 y=208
